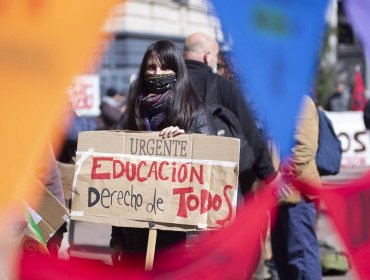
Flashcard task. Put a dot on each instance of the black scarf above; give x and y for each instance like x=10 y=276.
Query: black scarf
x=159 y=83
x=155 y=108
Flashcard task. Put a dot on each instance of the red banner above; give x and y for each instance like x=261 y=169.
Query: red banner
x=231 y=253
x=348 y=205
x=234 y=251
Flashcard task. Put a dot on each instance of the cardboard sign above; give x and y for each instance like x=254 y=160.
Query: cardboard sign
x=84 y=94
x=47 y=212
x=131 y=178
x=351 y=131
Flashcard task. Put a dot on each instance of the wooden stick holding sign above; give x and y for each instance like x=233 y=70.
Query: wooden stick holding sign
x=150 y=251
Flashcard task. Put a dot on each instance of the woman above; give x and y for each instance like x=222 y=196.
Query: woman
x=161 y=99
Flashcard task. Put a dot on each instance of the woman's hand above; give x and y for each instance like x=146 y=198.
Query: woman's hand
x=171 y=131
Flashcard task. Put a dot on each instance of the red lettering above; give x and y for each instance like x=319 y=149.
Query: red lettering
x=199 y=175
x=96 y=165
x=141 y=179
x=183 y=173
x=182 y=211
x=206 y=201
x=153 y=168
x=131 y=176
x=217 y=202
x=191 y=202
x=160 y=173
x=121 y=172
x=174 y=172
x=229 y=215
x=190 y=199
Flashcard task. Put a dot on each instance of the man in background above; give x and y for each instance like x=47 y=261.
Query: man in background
x=112 y=107
x=339 y=100
x=201 y=59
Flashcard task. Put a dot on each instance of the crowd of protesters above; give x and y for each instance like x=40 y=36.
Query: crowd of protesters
x=173 y=93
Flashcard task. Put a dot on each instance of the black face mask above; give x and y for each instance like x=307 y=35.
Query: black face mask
x=159 y=83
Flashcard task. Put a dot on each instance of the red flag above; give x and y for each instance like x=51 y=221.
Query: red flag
x=232 y=253
x=358 y=98
x=348 y=205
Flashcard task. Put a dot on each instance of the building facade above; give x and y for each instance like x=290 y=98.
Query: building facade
x=135 y=24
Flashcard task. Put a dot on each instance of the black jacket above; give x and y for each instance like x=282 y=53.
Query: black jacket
x=230 y=96
x=135 y=239
x=202 y=123
x=367 y=115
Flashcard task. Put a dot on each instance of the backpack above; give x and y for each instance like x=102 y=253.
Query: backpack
x=329 y=152
x=228 y=124
x=333 y=262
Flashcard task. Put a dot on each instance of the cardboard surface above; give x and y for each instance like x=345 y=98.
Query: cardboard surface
x=66 y=172
x=49 y=214
x=132 y=178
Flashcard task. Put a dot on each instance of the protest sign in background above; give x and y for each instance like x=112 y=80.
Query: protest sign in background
x=355 y=139
x=84 y=94
x=131 y=178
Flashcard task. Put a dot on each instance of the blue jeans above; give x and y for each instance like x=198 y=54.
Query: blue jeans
x=294 y=243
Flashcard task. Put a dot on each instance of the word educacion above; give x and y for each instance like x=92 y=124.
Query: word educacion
x=134 y=171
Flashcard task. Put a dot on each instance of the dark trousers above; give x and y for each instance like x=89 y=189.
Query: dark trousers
x=136 y=240
x=294 y=243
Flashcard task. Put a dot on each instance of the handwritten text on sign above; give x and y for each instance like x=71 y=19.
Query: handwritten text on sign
x=84 y=94
x=157 y=180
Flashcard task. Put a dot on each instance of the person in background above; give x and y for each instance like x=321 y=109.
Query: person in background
x=339 y=100
x=224 y=68
x=160 y=99
x=74 y=125
x=367 y=115
x=201 y=53
x=201 y=58
x=294 y=243
x=358 y=98
x=47 y=173
x=112 y=107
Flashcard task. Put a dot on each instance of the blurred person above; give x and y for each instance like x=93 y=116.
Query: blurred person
x=366 y=115
x=293 y=238
x=224 y=68
x=160 y=99
x=338 y=101
x=201 y=58
x=112 y=107
x=201 y=53
x=73 y=125
x=358 y=99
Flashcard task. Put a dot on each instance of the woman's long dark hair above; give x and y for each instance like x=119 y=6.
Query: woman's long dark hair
x=184 y=100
